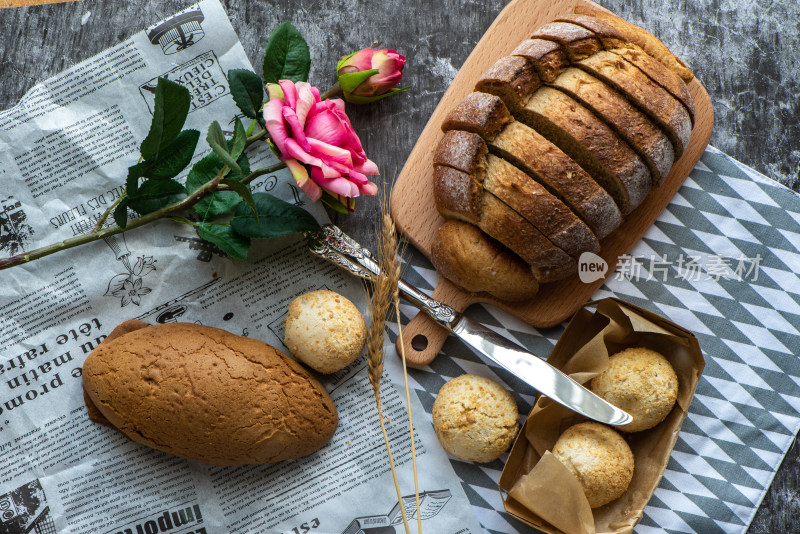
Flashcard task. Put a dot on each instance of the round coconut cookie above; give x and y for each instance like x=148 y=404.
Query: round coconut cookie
x=600 y=459
x=324 y=330
x=475 y=418
x=640 y=381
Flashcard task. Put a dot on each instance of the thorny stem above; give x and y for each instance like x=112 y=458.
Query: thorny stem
x=165 y=212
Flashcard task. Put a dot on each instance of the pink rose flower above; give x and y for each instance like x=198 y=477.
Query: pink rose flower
x=359 y=85
x=311 y=134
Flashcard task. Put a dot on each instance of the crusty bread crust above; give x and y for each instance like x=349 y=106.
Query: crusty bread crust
x=208 y=395
x=548 y=58
x=512 y=78
x=466 y=256
x=480 y=113
x=462 y=150
x=641 y=134
x=578 y=42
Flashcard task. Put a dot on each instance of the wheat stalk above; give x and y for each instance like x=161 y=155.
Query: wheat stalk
x=392 y=265
x=381 y=301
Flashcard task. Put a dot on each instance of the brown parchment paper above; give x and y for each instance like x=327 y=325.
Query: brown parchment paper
x=550 y=498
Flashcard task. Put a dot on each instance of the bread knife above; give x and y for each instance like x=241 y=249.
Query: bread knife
x=336 y=246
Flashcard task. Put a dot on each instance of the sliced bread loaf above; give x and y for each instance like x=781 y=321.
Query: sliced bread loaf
x=499 y=221
x=649 y=97
x=591 y=143
x=519 y=191
x=652 y=145
x=487 y=116
x=614 y=40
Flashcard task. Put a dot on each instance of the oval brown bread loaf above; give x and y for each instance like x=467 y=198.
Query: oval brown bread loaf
x=469 y=258
x=208 y=395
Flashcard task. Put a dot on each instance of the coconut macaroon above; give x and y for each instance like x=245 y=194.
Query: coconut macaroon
x=475 y=418
x=324 y=330
x=640 y=381
x=600 y=459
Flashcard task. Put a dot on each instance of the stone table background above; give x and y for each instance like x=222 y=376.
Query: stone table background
x=744 y=52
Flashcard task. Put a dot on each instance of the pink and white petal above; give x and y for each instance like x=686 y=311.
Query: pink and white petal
x=301 y=178
x=367 y=167
x=368 y=189
x=330 y=152
x=273 y=118
x=305 y=101
x=289 y=93
x=297 y=128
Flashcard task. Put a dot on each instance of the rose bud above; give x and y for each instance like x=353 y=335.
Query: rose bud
x=369 y=75
x=318 y=144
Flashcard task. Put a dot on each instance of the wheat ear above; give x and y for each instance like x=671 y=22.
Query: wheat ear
x=393 y=267
x=381 y=300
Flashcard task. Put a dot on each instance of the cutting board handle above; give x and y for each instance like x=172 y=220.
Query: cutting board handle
x=422 y=336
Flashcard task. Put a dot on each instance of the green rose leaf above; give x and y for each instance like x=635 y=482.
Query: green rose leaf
x=170 y=111
x=239 y=140
x=220 y=202
x=121 y=213
x=170 y=161
x=156 y=194
x=275 y=218
x=247 y=91
x=287 y=56
x=216 y=140
x=222 y=235
x=243 y=191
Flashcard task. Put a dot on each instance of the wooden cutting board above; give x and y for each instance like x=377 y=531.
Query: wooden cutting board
x=413 y=209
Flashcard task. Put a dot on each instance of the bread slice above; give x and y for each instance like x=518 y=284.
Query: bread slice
x=644 y=40
x=499 y=221
x=614 y=40
x=519 y=191
x=487 y=116
x=512 y=78
x=591 y=143
x=469 y=258
x=661 y=75
x=652 y=99
x=652 y=145
x=578 y=42
x=549 y=58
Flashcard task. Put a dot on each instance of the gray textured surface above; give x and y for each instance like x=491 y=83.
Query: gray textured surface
x=744 y=52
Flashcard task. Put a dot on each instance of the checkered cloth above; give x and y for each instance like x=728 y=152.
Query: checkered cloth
x=721 y=260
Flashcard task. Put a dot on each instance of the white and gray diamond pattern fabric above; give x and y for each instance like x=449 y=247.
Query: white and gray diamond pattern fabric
x=722 y=260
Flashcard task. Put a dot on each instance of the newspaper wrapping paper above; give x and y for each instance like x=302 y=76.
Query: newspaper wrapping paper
x=746 y=410
x=64 y=151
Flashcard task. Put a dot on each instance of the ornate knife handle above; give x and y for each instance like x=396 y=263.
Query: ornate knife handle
x=339 y=248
